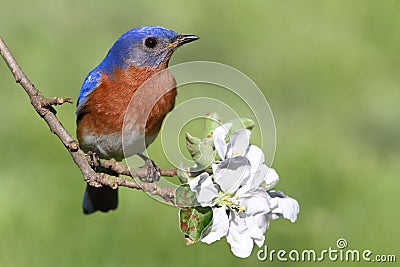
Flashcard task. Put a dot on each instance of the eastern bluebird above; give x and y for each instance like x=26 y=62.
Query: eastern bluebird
x=110 y=88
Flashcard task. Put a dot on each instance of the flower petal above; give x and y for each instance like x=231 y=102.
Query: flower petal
x=265 y=177
x=255 y=201
x=271 y=179
x=255 y=156
x=214 y=167
x=258 y=177
x=204 y=188
x=238 y=143
x=219 y=227
x=239 y=237
x=219 y=135
x=286 y=207
x=262 y=221
x=255 y=232
x=231 y=173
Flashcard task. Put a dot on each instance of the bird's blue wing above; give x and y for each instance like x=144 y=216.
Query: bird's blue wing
x=91 y=82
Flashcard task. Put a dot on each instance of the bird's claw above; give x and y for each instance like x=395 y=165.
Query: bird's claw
x=94 y=159
x=153 y=173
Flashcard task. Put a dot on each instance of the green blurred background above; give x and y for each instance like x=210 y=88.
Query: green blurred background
x=329 y=69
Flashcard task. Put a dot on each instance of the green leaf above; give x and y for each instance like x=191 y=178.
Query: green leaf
x=193 y=221
x=212 y=121
x=192 y=144
x=201 y=150
x=241 y=123
x=184 y=197
x=183 y=175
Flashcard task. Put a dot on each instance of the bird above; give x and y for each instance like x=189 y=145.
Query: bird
x=119 y=112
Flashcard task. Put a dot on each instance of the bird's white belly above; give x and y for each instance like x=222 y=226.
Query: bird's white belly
x=115 y=145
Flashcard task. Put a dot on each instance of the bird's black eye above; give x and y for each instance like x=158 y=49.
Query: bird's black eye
x=150 y=42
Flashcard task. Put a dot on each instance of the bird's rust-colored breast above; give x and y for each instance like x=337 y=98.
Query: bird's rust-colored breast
x=143 y=95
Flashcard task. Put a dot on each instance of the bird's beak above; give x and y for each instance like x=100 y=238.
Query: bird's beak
x=183 y=39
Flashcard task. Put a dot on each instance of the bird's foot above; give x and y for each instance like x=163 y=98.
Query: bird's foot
x=153 y=173
x=94 y=160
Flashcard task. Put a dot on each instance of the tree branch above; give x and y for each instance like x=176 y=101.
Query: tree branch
x=56 y=101
x=43 y=107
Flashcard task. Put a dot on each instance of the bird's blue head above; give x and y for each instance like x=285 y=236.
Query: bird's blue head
x=148 y=46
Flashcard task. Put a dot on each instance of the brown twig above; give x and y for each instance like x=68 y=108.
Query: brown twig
x=56 y=101
x=43 y=107
x=121 y=168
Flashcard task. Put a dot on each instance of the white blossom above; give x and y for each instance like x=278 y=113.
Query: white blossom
x=238 y=192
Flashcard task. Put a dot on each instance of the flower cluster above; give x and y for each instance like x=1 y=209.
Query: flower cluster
x=239 y=193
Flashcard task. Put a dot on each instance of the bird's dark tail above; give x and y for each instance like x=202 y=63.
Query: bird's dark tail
x=99 y=198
